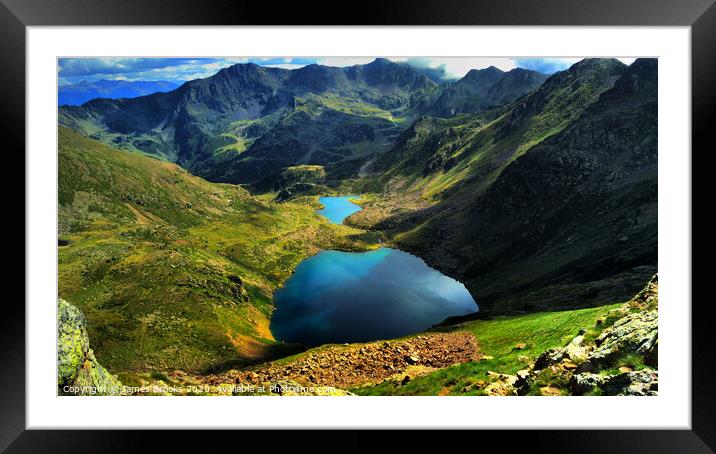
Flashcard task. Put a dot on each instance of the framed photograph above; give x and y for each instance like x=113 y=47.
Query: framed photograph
x=471 y=216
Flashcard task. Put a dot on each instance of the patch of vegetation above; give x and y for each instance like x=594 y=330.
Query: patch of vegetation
x=509 y=343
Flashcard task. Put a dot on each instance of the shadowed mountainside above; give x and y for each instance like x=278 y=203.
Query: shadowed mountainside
x=551 y=198
x=483 y=89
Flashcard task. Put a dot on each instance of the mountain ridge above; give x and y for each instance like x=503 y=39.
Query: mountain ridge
x=182 y=125
x=482 y=89
x=83 y=91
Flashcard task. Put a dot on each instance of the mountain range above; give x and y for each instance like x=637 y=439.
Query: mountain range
x=248 y=122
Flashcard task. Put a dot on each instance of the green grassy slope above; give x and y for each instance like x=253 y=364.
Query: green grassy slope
x=172 y=271
x=498 y=339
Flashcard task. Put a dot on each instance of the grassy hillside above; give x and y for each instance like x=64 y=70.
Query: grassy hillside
x=608 y=350
x=172 y=271
x=499 y=340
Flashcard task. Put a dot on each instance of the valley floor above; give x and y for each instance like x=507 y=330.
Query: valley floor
x=175 y=275
x=606 y=350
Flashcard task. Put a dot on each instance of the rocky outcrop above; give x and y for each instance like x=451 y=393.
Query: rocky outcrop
x=78 y=372
x=299 y=189
x=633 y=333
x=621 y=360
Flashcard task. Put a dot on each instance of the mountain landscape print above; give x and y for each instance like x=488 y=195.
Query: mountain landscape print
x=357 y=226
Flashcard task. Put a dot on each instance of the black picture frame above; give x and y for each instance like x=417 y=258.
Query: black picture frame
x=700 y=15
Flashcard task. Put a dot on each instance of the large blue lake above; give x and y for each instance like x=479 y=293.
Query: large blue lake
x=337 y=297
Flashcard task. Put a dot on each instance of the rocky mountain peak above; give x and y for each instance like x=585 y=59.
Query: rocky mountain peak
x=485 y=75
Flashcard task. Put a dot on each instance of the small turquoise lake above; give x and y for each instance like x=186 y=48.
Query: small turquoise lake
x=339 y=297
x=336 y=209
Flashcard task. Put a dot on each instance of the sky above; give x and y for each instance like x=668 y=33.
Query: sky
x=73 y=70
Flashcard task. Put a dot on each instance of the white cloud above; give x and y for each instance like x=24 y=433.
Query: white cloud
x=459 y=66
x=344 y=61
x=285 y=65
x=454 y=66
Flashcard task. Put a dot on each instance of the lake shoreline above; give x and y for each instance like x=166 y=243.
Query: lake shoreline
x=332 y=296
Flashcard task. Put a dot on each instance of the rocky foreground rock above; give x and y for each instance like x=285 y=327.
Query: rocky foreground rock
x=78 y=372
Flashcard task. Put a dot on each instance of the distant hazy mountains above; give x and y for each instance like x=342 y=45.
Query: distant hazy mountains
x=248 y=122
x=81 y=92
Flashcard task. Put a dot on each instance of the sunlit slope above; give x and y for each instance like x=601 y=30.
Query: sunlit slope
x=170 y=270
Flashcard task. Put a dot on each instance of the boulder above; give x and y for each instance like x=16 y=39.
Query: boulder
x=634 y=333
x=524 y=381
x=643 y=382
x=576 y=351
x=78 y=371
x=652 y=356
x=583 y=383
x=548 y=358
x=586 y=366
x=412 y=359
x=503 y=386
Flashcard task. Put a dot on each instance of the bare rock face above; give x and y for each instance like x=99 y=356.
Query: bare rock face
x=582 y=383
x=78 y=372
x=644 y=382
x=633 y=333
